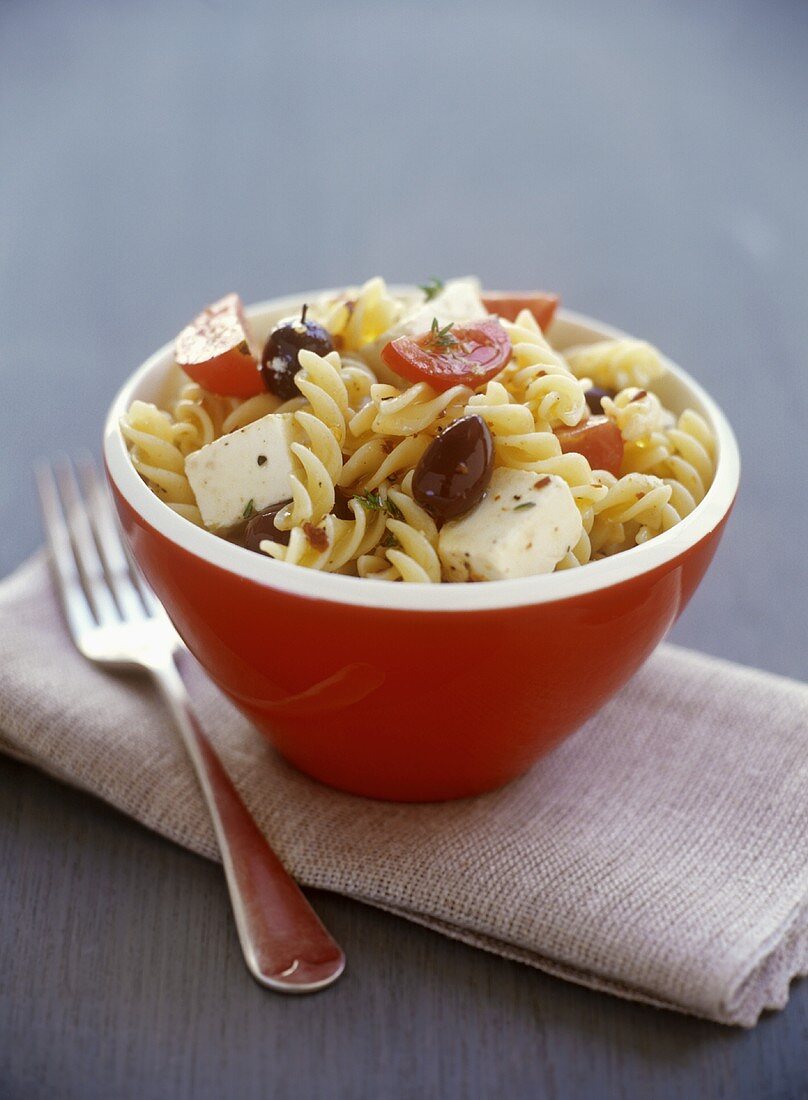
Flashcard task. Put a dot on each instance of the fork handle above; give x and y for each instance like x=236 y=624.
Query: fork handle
x=285 y=945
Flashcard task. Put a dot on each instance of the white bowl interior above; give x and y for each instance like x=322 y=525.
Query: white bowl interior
x=158 y=379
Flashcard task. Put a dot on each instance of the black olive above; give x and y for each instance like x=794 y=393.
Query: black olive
x=594 y=396
x=259 y=527
x=279 y=362
x=455 y=469
x=341 y=498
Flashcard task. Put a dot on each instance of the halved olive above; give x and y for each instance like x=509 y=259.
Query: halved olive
x=455 y=469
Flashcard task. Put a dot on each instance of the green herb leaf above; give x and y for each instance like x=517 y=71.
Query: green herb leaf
x=375 y=502
x=249 y=508
x=527 y=504
x=370 y=500
x=389 y=541
x=432 y=288
x=441 y=337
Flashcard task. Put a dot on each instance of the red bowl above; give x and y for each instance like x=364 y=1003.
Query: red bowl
x=416 y=692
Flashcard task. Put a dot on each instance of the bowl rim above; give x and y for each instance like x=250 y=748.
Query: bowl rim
x=366 y=592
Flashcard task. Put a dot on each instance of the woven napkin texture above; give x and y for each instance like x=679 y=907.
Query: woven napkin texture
x=661 y=853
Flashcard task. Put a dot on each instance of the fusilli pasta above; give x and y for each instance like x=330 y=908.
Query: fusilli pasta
x=637 y=413
x=616 y=364
x=201 y=416
x=348 y=431
x=539 y=377
x=519 y=446
x=334 y=544
x=410 y=553
x=419 y=408
x=691 y=458
x=156 y=456
x=359 y=316
x=324 y=423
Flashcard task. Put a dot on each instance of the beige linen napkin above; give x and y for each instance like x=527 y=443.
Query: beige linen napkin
x=660 y=854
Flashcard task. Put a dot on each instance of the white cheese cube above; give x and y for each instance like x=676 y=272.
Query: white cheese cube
x=458 y=302
x=525 y=524
x=253 y=464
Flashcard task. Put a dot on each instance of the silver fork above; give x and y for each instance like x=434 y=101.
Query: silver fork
x=116 y=621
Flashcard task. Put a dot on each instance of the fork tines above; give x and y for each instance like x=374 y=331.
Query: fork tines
x=98 y=582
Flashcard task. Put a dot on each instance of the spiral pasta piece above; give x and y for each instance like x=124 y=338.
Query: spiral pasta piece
x=539 y=377
x=292 y=404
x=682 y=456
x=249 y=410
x=358 y=379
x=643 y=456
x=351 y=392
x=332 y=545
x=321 y=383
x=359 y=316
x=637 y=413
x=518 y=445
x=379 y=459
x=691 y=460
x=319 y=460
x=411 y=554
x=616 y=364
x=312 y=485
x=157 y=458
x=639 y=497
x=200 y=416
x=376 y=567
x=635 y=509
x=416 y=560
x=406 y=412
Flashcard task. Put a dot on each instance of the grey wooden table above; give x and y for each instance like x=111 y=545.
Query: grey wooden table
x=646 y=160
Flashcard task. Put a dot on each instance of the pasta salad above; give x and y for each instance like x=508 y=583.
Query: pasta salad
x=434 y=435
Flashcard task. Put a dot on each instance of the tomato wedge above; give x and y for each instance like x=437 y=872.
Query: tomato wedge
x=214 y=350
x=598 y=440
x=469 y=354
x=509 y=304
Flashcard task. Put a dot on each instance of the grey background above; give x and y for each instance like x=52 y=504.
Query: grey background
x=648 y=160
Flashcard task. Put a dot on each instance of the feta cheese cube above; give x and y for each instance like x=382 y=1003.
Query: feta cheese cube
x=458 y=301
x=253 y=464
x=525 y=524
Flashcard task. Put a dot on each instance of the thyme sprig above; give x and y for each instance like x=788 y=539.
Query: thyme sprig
x=441 y=337
x=431 y=288
x=375 y=502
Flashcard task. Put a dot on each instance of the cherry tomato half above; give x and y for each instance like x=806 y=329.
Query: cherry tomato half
x=468 y=354
x=598 y=440
x=509 y=304
x=214 y=350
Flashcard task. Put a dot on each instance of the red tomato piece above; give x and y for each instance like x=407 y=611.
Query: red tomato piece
x=509 y=304
x=467 y=355
x=214 y=350
x=598 y=440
